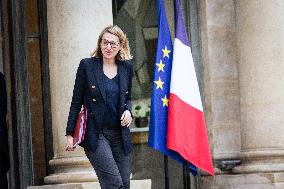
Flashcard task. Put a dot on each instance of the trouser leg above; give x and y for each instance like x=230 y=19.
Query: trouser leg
x=105 y=166
x=123 y=161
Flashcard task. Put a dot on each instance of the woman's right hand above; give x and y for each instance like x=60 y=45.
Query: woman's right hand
x=69 y=145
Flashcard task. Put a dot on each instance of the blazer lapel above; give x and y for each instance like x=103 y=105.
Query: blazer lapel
x=99 y=77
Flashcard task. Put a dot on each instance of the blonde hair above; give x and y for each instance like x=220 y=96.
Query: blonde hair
x=124 y=53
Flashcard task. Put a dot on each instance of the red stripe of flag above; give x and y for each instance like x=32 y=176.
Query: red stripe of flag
x=187 y=134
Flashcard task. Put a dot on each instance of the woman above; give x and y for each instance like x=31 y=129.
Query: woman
x=103 y=86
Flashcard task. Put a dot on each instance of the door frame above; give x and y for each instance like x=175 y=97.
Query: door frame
x=20 y=106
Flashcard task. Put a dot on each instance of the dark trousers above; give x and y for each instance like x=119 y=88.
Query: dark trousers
x=112 y=166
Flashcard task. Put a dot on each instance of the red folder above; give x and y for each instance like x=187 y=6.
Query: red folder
x=80 y=128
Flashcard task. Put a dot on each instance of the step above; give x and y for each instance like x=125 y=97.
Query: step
x=134 y=184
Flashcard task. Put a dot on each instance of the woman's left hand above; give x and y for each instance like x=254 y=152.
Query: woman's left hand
x=126 y=118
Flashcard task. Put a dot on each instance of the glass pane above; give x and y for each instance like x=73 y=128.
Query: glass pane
x=133 y=18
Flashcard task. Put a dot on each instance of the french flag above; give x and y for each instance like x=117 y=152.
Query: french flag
x=186 y=132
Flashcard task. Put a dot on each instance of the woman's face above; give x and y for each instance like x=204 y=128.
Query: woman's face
x=110 y=46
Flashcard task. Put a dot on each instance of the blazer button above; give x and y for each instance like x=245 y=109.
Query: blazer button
x=94 y=100
x=93 y=86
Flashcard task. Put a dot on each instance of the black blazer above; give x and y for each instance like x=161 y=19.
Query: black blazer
x=89 y=90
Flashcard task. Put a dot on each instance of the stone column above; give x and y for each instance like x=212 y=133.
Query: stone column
x=73 y=29
x=260 y=39
x=220 y=78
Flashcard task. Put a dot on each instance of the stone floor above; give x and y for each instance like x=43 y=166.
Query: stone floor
x=135 y=184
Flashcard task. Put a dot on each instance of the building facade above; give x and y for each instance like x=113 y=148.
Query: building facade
x=238 y=52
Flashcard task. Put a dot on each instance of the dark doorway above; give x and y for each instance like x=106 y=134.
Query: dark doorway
x=25 y=62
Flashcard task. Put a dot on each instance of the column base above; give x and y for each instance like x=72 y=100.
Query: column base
x=71 y=170
x=137 y=184
x=75 y=177
x=266 y=161
x=244 y=181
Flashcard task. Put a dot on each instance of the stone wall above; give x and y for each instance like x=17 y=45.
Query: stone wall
x=243 y=55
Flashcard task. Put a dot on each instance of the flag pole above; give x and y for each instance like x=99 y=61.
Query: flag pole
x=166 y=166
x=186 y=178
x=183 y=176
